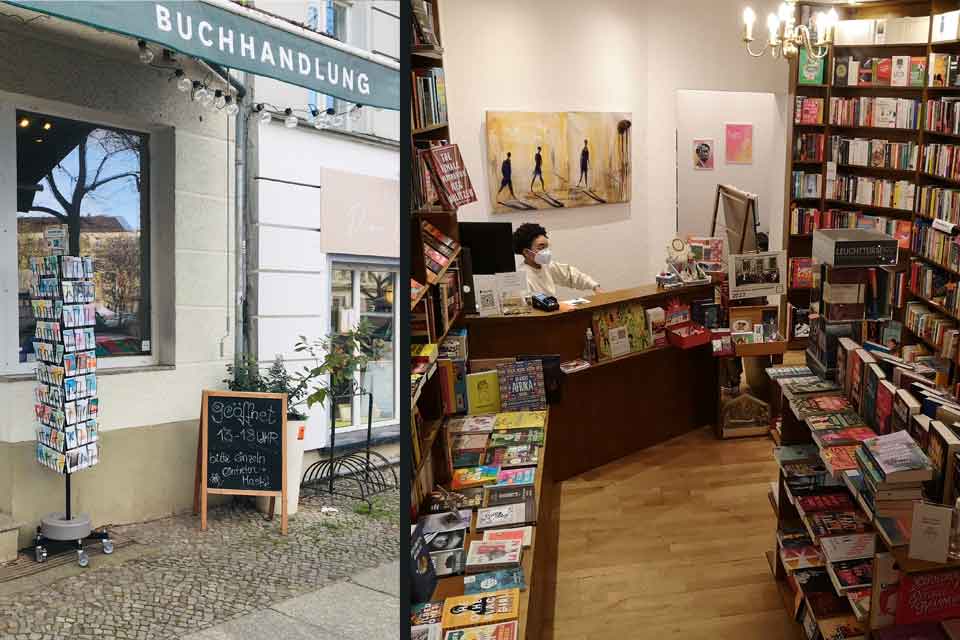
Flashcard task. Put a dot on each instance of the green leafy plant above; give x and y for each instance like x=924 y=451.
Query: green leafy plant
x=247 y=376
x=337 y=359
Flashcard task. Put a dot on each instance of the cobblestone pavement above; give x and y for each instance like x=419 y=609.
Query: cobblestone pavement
x=190 y=580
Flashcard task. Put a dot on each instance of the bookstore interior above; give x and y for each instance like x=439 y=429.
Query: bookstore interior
x=760 y=440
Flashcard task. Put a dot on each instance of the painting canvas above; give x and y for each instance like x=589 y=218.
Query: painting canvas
x=703 y=154
x=738 y=143
x=551 y=160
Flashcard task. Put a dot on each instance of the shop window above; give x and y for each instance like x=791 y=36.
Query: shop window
x=366 y=293
x=90 y=180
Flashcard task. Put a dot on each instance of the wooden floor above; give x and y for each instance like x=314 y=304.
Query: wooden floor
x=669 y=543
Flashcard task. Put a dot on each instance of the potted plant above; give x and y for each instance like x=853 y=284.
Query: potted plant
x=340 y=362
x=247 y=376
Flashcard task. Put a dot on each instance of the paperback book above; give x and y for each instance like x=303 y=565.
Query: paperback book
x=495 y=581
x=481 y=609
x=507 y=515
x=488 y=555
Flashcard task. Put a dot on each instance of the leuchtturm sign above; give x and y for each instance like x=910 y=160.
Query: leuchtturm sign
x=231 y=39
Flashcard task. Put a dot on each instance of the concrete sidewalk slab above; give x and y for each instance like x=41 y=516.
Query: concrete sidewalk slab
x=262 y=624
x=348 y=612
x=367 y=607
x=385 y=578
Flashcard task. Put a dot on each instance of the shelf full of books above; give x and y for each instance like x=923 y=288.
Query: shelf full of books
x=67 y=408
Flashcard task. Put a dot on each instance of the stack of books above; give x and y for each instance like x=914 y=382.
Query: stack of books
x=893 y=469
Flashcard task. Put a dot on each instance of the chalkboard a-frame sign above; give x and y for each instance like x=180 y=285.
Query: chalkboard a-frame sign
x=243 y=448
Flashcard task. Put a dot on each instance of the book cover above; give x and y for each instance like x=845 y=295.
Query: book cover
x=841 y=66
x=507 y=515
x=517 y=436
x=835 y=421
x=918 y=71
x=426 y=632
x=423 y=577
x=900 y=71
x=469 y=442
x=483 y=392
x=447 y=563
x=852 y=574
x=824 y=502
x=884 y=70
x=464 y=459
x=843 y=437
x=928 y=597
x=810 y=69
x=942 y=447
x=883 y=599
x=496 y=495
x=884 y=406
x=899 y=458
x=842 y=627
x=852 y=547
x=474 y=477
x=519 y=455
x=481 y=609
x=521 y=386
x=447 y=167
x=426 y=613
x=523 y=475
x=522 y=534
x=838 y=523
x=495 y=581
x=501 y=631
x=446 y=540
x=552 y=375
x=627 y=324
x=509 y=420
x=445 y=521
x=487 y=555
x=800 y=554
x=482 y=423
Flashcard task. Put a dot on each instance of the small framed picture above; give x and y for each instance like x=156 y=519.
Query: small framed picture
x=703 y=154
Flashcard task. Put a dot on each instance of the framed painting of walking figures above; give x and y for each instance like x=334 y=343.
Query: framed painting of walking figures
x=557 y=159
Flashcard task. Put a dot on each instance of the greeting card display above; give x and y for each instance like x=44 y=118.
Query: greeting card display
x=67 y=408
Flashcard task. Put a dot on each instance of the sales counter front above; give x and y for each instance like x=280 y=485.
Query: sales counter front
x=616 y=406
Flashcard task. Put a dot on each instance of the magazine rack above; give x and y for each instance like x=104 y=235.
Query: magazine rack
x=361 y=470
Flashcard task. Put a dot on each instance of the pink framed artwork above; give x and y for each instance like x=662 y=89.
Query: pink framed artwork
x=738 y=143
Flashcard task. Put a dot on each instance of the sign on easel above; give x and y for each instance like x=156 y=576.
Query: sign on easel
x=243 y=448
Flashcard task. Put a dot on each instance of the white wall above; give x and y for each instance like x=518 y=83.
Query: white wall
x=605 y=55
x=191 y=205
x=703 y=114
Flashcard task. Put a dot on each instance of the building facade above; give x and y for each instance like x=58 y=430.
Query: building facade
x=92 y=131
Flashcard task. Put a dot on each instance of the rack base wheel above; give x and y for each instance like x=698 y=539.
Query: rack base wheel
x=107 y=545
x=82 y=558
x=40 y=553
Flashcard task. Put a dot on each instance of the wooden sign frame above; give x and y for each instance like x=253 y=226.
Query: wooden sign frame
x=203 y=457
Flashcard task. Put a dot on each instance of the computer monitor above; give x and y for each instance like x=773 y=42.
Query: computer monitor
x=491 y=246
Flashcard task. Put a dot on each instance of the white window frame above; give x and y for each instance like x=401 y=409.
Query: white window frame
x=358 y=263
x=10 y=103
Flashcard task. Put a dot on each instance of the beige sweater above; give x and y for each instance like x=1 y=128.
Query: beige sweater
x=556 y=274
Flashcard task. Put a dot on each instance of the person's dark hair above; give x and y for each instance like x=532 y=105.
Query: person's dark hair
x=524 y=236
x=538 y=148
x=508 y=154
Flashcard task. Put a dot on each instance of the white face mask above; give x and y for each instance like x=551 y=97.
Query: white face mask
x=543 y=257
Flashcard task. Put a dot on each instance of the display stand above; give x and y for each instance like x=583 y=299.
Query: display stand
x=356 y=467
x=68 y=441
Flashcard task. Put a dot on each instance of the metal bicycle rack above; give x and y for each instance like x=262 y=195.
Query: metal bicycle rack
x=361 y=471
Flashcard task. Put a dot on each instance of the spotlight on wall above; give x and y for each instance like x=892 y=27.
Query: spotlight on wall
x=265 y=116
x=183 y=82
x=24 y=123
x=219 y=101
x=290 y=121
x=146 y=54
x=231 y=109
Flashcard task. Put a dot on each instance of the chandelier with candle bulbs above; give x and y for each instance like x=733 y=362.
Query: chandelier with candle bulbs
x=786 y=37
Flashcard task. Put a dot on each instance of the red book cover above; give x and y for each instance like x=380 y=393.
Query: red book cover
x=932 y=596
x=882 y=75
x=447 y=165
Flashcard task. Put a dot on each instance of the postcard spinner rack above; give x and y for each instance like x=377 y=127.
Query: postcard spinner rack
x=63 y=297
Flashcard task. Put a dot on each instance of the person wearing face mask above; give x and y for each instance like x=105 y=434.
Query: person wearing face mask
x=543 y=274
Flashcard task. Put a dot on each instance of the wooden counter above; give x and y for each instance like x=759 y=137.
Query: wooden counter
x=617 y=406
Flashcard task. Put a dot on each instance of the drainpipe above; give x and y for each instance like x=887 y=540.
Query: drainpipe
x=240 y=213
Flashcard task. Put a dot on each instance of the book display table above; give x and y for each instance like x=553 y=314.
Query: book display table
x=618 y=405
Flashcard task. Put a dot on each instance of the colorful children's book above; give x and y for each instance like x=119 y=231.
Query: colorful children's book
x=510 y=420
x=522 y=386
x=474 y=477
x=483 y=392
x=426 y=613
x=481 y=608
x=524 y=475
